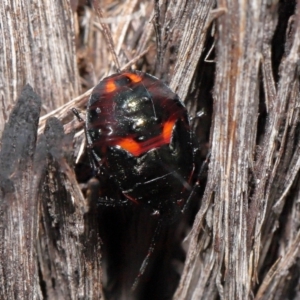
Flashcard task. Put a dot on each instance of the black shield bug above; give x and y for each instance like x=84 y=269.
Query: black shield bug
x=139 y=140
x=138 y=134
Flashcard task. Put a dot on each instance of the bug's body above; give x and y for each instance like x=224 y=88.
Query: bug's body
x=138 y=134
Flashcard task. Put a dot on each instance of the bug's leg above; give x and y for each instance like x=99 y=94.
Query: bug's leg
x=150 y=251
x=76 y=114
x=95 y=195
x=197 y=184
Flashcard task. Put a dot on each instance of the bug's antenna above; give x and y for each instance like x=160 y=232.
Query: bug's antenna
x=107 y=34
x=150 y=251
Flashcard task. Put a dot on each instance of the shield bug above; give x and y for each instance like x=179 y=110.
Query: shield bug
x=138 y=133
x=139 y=141
x=139 y=136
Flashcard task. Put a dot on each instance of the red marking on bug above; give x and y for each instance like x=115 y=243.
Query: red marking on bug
x=130 y=198
x=138 y=148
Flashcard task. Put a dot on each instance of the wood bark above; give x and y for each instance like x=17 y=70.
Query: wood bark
x=236 y=60
x=37 y=46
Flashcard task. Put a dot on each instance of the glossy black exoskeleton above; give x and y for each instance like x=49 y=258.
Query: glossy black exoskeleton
x=138 y=134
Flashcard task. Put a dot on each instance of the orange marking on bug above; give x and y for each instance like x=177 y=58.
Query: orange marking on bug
x=110 y=86
x=167 y=130
x=138 y=148
x=134 y=77
x=131 y=146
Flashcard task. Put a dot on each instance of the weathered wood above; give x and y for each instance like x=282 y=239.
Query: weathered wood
x=37 y=47
x=253 y=165
x=18 y=201
x=245 y=239
x=44 y=218
x=69 y=243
